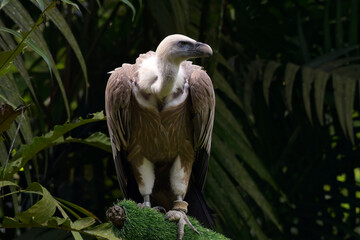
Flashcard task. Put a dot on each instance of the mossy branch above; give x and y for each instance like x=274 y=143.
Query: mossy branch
x=146 y=223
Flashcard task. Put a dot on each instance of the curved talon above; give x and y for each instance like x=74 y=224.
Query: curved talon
x=190 y=225
x=180 y=216
x=160 y=209
x=157 y=208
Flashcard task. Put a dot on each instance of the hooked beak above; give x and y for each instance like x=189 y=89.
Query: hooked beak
x=203 y=50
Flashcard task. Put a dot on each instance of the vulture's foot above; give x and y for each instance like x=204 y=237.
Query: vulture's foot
x=160 y=209
x=144 y=205
x=147 y=204
x=179 y=214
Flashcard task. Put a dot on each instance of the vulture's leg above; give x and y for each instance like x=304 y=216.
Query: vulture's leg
x=178 y=213
x=145 y=178
x=179 y=180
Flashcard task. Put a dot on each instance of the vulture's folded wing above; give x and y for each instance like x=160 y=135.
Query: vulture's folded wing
x=117 y=106
x=203 y=102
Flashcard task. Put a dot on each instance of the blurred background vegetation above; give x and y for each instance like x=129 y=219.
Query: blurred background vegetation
x=285 y=151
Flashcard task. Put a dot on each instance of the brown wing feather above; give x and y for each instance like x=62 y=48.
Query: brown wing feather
x=203 y=103
x=117 y=102
x=117 y=106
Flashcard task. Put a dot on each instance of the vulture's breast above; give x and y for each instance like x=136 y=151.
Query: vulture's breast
x=161 y=135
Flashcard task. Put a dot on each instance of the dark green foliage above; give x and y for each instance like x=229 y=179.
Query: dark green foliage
x=54 y=137
x=147 y=223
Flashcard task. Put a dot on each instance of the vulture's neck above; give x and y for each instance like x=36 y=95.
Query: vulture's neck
x=159 y=82
x=168 y=75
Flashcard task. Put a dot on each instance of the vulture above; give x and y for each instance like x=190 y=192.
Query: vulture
x=160 y=115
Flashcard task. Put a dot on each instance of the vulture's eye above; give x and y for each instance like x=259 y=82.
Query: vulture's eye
x=181 y=44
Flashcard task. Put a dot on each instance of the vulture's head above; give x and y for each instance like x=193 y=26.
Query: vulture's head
x=177 y=48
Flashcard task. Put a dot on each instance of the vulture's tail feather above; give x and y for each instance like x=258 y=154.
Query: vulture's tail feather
x=198 y=208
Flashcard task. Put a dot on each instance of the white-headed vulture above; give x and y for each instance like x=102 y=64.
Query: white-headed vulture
x=160 y=115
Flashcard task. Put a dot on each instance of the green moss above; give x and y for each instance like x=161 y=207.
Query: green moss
x=146 y=223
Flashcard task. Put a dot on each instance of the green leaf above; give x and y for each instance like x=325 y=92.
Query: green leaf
x=72 y=4
x=320 y=80
x=237 y=140
x=221 y=83
x=67 y=224
x=222 y=61
x=82 y=223
x=236 y=200
x=41 y=211
x=55 y=222
x=7 y=183
x=129 y=4
x=7 y=57
x=98 y=139
x=338 y=97
x=57 y=18
x=22 y=18
x=268 y=76
x=104 y=230
x=41 y=5
x=308 y=75
x=63 y=209
x=64 y=224
x=290 y=73
x=226 y=157
x=29 y=43
x=9 y=44
x=80 y=209
x=41 y=214
x=344 y=95
x=28 y=151
x=249 y=79
x=9 y=222
x=217 y=198
x=3 y=3
x=325 y=60
x=346 y=68
x=350 y=86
